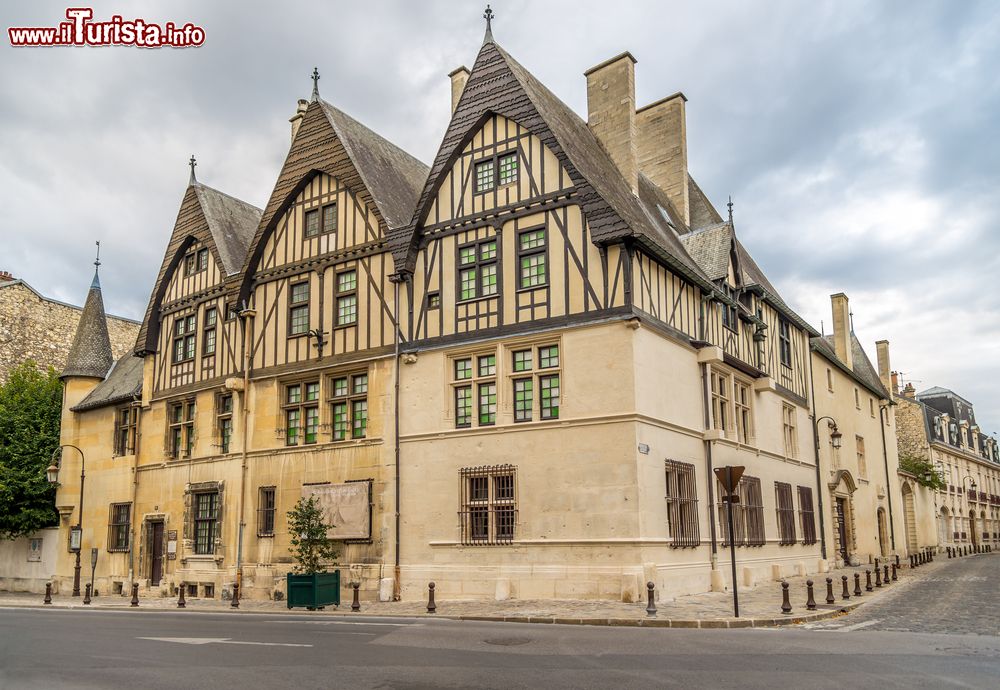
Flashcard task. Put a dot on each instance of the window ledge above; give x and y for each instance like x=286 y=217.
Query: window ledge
x=710 y=355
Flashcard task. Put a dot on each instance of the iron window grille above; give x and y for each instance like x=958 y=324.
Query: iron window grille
x=477 y=270
x=474 y=385
x=784 y=342
x=180 y=430
x=265 y=511
x=807 y=517
x=301 y=407
x=184 y=338
x=224 y=421
x=682 y=504
x=126 y=424
x=785 y=513
x=748 y=514
x=208 y=333
x=119 y=527
x=349 y=405
x=298 y=308
x=489 y=504
x=532 y=253
x=347 y=298
x=206 y=516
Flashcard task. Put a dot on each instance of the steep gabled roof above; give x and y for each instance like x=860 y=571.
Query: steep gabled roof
x=122 y=384
x=863 y=371
x=499 y=84
x=90 y=354
x=222 y=223
x=374 y=169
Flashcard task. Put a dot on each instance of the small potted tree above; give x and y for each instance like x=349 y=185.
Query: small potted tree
x=311 y=586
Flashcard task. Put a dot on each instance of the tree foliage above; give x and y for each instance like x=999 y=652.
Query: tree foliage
x=311 y=546
x=923 y=469
x=30 y=408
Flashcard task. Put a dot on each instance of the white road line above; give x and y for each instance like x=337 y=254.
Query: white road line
x=858 y=626
x=395 y=625
x=219 y=640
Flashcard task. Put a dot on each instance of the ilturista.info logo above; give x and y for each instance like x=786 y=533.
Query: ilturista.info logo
x=80 y=29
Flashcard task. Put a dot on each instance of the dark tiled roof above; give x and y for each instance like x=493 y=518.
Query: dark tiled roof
x=90 y=354
x=711 y=247
x=123 y=383
x=701 y=210
x=864 y=372
x=232 y=223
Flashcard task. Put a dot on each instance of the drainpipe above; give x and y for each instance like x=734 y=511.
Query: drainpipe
x=888 y=486
x=135 y=493
x=819 y=478
x=707 y=413
x=397 y=587
x=246 y=316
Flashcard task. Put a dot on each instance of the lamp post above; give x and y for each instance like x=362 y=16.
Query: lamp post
x=835 y=439
x=76 y=533
x=972 y=513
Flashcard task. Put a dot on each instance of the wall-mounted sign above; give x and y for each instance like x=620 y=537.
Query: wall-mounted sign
x=644 y=449
x=345 y=506
x=172 y=547
x=34 y=550
x=75 y=538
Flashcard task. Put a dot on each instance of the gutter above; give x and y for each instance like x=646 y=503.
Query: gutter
x=888 y=484
x=819 y=477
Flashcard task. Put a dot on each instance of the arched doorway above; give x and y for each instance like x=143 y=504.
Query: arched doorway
x=842 y=487
x=909 y=518
x=973 y=531
x=944 y=527
x=883 y=536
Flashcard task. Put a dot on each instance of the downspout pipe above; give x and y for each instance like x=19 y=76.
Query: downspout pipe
x=884 y=409
x=247 y=316
x=819 y=478
x=397 y=586
x=135 y=493
x=707 y=412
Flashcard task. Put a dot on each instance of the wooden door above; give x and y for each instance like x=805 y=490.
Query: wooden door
x=842 y=529
x=156 y=553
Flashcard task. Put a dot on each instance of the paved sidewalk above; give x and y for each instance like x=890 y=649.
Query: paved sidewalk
x=760 y=606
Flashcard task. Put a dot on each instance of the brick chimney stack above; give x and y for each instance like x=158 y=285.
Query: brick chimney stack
x=909 y=391
x=296 y=119
x=6 y=277
x=895 y=383
x=842 y=329
x=611 y=113
x=458 y=79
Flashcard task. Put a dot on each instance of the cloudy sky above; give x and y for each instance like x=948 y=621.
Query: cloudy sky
x=859 y=140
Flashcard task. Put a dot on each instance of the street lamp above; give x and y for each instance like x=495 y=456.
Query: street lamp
x=835 y=439
x=76 y=533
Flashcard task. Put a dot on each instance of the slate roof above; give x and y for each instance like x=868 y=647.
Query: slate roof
x=232 y=223
x=710 y=247
x=90 y=354
x=864 y=372
x=123 y=384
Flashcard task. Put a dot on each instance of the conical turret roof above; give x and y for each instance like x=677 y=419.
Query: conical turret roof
x=90 y=354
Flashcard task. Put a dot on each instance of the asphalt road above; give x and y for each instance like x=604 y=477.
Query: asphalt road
x=44 y=648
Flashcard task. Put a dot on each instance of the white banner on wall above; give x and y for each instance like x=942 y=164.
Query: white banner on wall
x=345 y=506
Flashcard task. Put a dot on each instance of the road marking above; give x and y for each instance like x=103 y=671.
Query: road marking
x=395 y=625
x=219 y=640
x=858 y=626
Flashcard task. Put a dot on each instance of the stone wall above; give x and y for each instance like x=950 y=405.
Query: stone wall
x=911 y=433
x=33 y=327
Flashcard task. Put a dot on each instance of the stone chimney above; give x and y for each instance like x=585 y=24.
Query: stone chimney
x=661 y=149
x=909 y=391
x=842 y=329
x=458 y=79
x=611 y=112
x=882 y=352
x=296 y=119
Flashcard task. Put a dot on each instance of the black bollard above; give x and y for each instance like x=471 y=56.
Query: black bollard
x=431 y=606
x=948 y=549
x=86 y=595
x=885 y=574
x=48 y=593
x=868 y=581
x=356 y=604
x=857 y=584
x=829 y=591
x=236 y=596
x=650 y=605
x=894 y=578
x=846 y=593
x=786 y=604
x=897 y=560
x=181 y=604
x=878 y=577
x=135 y=595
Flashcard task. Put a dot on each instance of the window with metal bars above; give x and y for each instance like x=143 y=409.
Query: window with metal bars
x=265 y=511
x=301 y=407
x=206 y=515
x=126 y=422
x=785 y=508
x=489 y=504
x=682 y=504
x=748 y=514
x=119 y=527
x=349 y=405
x=806 y=516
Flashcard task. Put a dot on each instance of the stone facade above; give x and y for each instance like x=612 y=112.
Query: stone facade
x=41 y=329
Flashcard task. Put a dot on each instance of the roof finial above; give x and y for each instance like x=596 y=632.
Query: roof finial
x=730 y=206
x=488 y=16
x=97 y=261
x=96 y=283
x=192 y=163
x=851 y=313
x=315 y=78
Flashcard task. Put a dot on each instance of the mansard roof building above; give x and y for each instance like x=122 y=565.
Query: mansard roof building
x=490 y=371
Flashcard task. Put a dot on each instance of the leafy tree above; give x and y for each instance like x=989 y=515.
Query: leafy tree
x=30 y=408
x=923 y=469
x=311 y=546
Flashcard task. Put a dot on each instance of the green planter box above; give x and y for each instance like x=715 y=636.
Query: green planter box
x=313 y=591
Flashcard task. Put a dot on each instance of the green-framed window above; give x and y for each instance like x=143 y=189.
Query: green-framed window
x=298 y=308
x=477 y=270
x=301 y=413
x=523 y=402
x=347 y=298
x=184 y=338
x=349 y=405
x=548 y=396
x=473 y=379
x=532 y=248
x=497 y=171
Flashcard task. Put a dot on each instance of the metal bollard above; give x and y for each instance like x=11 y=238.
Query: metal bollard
x=948 y=549
x=181 y=603
x=135 y=595
x=786 y=604
x=650 y=605
x=431 y=606
x=236 y=596
x=878 y=577
x=86 y=595
x=829 y=591
x=857 y=584
x=868 y=581
x=885 y=574
x=846 y=593
x=897 y=560
x=894 y=578
x=810 y=602
x=48 y=593
x=356 y=604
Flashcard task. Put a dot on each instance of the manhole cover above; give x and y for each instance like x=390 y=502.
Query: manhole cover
x=508 y=641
